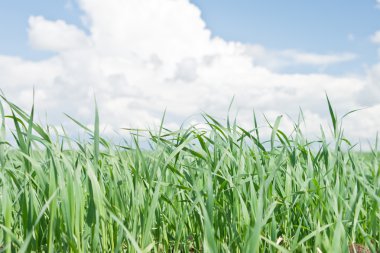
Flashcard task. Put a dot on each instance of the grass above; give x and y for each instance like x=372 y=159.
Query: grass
x=220 y=189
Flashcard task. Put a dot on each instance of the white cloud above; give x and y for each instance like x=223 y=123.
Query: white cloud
x=375 y=38
x=55 y=36
x=371 y=95
x=276 y=60
x=187 y=70
x=318 y=59
x=142 y=56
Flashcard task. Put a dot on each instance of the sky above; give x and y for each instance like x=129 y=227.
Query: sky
x=141 y=57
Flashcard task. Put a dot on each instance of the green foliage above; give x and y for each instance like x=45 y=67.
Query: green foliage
x=219 y=189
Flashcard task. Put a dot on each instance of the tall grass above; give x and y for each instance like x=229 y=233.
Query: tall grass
x=220 y=189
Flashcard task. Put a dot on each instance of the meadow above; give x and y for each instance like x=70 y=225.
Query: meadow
x=220 y=188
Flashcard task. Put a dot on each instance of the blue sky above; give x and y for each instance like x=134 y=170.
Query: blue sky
x=14 y=17
x=322 y=26
x=141 y=57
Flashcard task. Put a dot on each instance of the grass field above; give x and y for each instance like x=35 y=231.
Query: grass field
x=218 y=189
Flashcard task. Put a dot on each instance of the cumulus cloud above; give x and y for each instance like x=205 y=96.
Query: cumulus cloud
x=141 y=57
x=371 y=95
x=55 y=35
